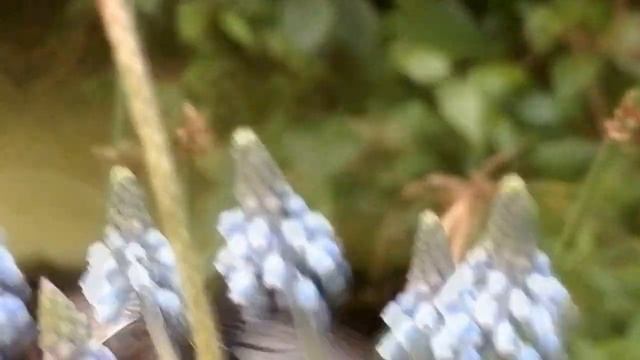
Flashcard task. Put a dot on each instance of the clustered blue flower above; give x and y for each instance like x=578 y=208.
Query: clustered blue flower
x=133 y=258
x=278 y=253
x=502 y=301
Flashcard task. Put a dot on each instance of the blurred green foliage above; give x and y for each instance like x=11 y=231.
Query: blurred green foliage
x=357 y=98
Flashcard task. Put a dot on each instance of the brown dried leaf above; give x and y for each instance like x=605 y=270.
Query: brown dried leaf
x=194 y=137
x=624 y=125
x=466 y=200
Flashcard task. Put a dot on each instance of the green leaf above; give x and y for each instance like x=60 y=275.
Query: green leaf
x=592 y=14
x=587 y=350
x=566 y=158
x=543 y=27
x=538 y=108
x=237 y=28
x=443 y=25
x=498 y=80
x=314 y=153
x=307 y=24
x=79 y=10
x=505 y=136
x=624 y=43
x=634 y=328
x=572 y=75
x=356 y=26
x=407 y=123
x=252 y=8
x=192 y=22
x=463 y=106
x=404 y=131
x=148 y=7
x=421 y=64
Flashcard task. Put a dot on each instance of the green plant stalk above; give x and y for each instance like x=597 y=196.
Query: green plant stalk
x=135 y=78
x=587 y=196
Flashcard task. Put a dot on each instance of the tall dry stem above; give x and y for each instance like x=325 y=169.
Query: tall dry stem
x=133 y=70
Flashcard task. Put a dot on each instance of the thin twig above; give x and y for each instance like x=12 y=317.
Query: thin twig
x=587 y=195
x=621 y=129
x=133 y=70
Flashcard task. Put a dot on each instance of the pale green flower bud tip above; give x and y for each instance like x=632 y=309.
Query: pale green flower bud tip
x=512 y=224
x=513 y=199
x=244 y=136
x=429 y=219
x=513 y=184
x=119 y=173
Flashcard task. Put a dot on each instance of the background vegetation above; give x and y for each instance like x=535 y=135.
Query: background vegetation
x=375 y=109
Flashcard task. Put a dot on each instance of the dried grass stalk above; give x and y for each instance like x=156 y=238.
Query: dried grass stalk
x=119 y=23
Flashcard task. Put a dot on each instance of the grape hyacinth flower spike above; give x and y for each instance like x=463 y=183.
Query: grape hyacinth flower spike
x=411 y=317
x=279 y=256
x=132 y=272
x=65 y=332
x=503 y=300
x=17 y=328
x=521 y=305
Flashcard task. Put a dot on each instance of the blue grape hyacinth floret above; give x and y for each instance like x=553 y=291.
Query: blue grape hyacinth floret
x=411 y=313
x=133 y=262
x=17 y=328
x=503 y=300
x=277 y=253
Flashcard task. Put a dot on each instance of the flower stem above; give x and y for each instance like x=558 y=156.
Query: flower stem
x=135 y=78
x=587 y=197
